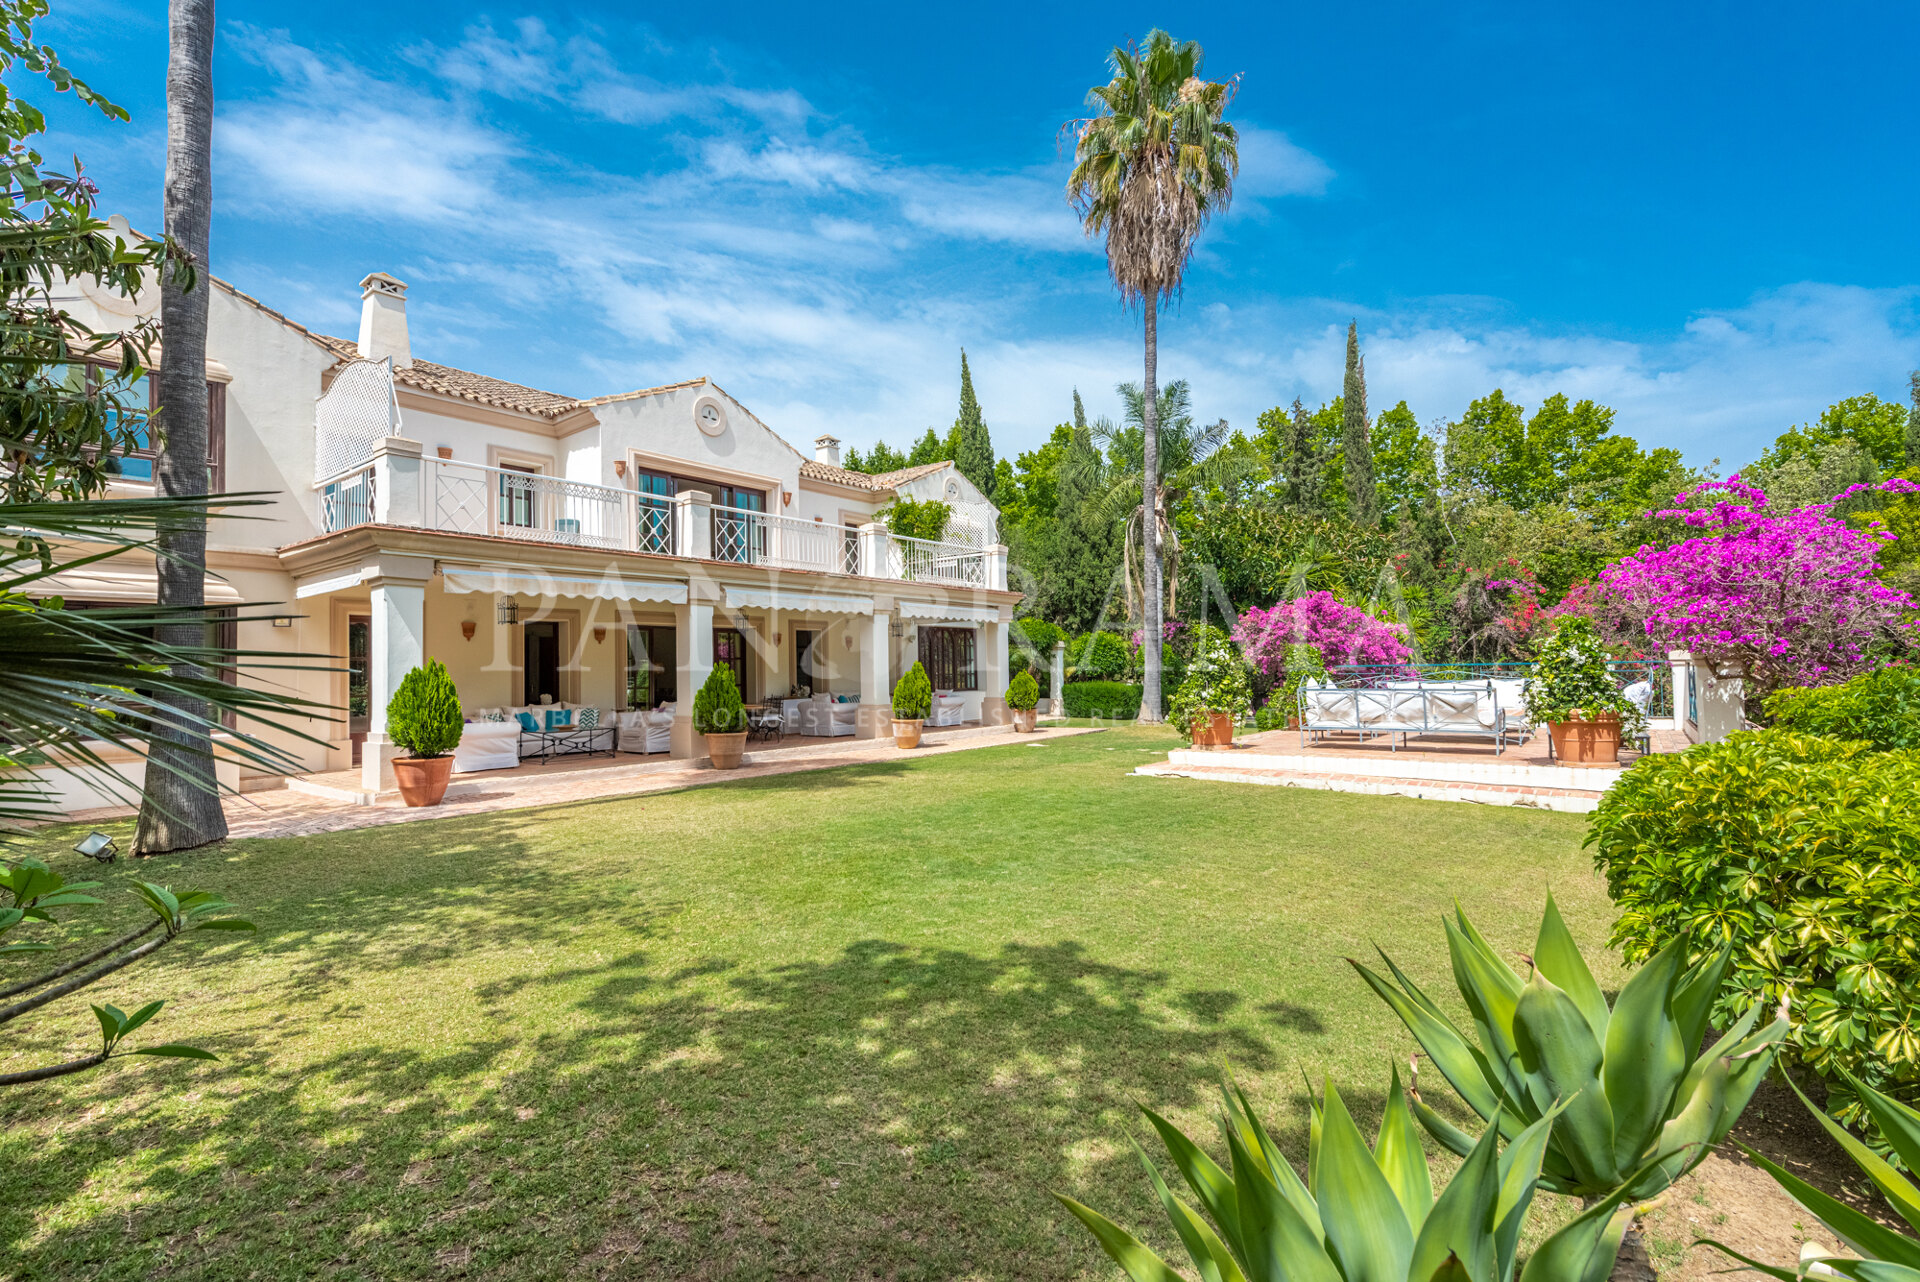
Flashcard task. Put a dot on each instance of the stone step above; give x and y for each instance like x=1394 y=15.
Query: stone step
x=1534 y=796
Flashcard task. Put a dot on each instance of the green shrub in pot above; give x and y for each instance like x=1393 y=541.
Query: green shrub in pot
x=913 y=695
x=424 y=714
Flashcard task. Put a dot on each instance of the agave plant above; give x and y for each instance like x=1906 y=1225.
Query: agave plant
x=1636 y=1108
x=1361 y=1215
x=1887 y=1254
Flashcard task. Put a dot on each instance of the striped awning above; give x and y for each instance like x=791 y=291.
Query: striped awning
x=949 y=613
x=120 y=586
x=801 y=602
x=500 y=581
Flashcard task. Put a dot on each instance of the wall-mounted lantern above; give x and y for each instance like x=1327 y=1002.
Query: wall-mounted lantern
x=507 y=613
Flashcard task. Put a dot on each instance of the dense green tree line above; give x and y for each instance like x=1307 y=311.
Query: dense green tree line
x=1465 y=529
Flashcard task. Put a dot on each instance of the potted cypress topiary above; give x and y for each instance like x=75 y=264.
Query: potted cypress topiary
x=717 y=714
x=424 y=718
x=912 y=701
x=1571 y=692
x=1023 y=696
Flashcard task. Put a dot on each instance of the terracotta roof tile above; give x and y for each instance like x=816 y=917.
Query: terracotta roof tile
x=427 y=376
x=862 y=480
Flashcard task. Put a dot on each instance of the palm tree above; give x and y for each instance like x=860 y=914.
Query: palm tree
x=1189 y=459
x=1151 y=166
x=180 y=807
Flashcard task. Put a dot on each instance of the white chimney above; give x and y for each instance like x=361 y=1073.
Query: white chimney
x=826 y=449
x=383 y=320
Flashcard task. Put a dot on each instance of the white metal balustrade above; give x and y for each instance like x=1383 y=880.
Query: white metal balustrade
x=925 y=561
x=470 y=498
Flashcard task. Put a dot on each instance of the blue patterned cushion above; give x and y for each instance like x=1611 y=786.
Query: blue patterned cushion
x=494 y=714
x=527 y=723
x=559 y=718
x=589 y=718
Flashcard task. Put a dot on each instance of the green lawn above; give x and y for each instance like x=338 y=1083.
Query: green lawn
x=847 y=1024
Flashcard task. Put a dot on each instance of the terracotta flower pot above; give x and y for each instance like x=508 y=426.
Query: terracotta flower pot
x=422 y=780
x=906 y=734
x=1024 y=719
x=1587 y=743
x=726 y=749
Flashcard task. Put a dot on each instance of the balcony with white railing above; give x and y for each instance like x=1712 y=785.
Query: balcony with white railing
x=399 y=486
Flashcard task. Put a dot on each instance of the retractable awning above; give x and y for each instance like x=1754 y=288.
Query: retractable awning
x=120 y=586
x=949 y=613
x=797 y=602
x=495 y=581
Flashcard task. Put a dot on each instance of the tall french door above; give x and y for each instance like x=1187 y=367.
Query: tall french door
x=359 y=681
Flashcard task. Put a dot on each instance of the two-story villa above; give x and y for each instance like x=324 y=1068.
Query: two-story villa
x=606 y=550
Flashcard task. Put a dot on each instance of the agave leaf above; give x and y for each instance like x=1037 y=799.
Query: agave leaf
x=1645 y=1058
x=1460 y=1226
x=1491 y=990
x=1209 y=1254
x=1126 y=1250
x=1787 y=1275
x=1203 y=1175
x=1556 y=956
x=1277 y=1245
x=1896 y=1188
x=1898 y=1123
x=1866 y=1235
x=1367 y=1232
x=1875 y=1271
x=1400 y=1158
x=1465 y=1069
x=1724 y=1046
x=1519 y=1177
x=1583 y=1251
x=1313 y=1136
x=1561 y=1063
x=1694 y=997
x=1451 y=1137
x=1472 y=933
x=1280 y=1170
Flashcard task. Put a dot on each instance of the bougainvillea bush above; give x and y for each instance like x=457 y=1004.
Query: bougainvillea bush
x=1344 y=634
x=1793 y=596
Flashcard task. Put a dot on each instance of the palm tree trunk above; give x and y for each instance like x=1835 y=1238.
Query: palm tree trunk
x=180 y=804
x=1151 y=629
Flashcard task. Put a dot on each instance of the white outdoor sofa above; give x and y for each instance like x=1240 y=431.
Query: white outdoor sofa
x=1406 y=708
x=821 y=717
x=645 y=730
x=487 y=745
x=948 y=706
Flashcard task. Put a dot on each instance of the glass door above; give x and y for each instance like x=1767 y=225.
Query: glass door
x=730 y=651
x=656 y=511
x=359 y=686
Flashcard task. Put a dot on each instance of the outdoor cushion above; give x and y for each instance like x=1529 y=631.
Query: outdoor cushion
x=559 y=718
x=527 y=723
x=589 y=718
x=488 y=745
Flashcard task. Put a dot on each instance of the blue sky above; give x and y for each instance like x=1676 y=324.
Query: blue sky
x=1704 y=216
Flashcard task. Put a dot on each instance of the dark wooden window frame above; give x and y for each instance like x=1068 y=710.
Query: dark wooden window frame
x=951 y=657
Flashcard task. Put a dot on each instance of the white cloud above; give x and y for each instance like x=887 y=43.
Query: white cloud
x=1272 y=164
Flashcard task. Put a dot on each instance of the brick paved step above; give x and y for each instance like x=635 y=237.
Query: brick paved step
x=1532 y=795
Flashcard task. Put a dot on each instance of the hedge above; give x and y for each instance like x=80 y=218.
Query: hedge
x=1098 y=656
x=1882 y=708
x=1107 y=700
x=1803 y=851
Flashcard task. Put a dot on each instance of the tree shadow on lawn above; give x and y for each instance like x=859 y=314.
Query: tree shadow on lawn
x=891 y=1112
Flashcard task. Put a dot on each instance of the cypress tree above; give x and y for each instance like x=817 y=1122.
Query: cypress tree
x=972 y=446
x=1913 y=419
x=1356 y=438
x=1085 y=544
x=1080 y=411
x=1305 y=463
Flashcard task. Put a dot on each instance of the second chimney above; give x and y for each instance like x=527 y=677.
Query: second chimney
x=383 y=320
x=826 y=449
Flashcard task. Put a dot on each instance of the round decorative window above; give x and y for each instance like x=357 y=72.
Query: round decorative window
x=953 y=488
x=709 y=415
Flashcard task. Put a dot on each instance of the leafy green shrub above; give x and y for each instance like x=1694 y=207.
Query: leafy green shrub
x=1098 y=656
x=1037 y=635
x=1024 y=694
x=1882 y=708
x=1274 y=715
x=1803 y=853
x=913 y=518
x=913 y=695
x=1217 y=680
x=1107 y=700
x=1570 y=681
x=424 y=714
x=716 y=705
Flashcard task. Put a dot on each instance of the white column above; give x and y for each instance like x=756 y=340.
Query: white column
x=876 y=675
x=1722 y=698
x=1058 y=680
x=693 y=530
x=997 y=567
x=874 y=542
x=693 y=637
x=398 y=475
x=396 y=645
x=1682 y=663
x=991 y=664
